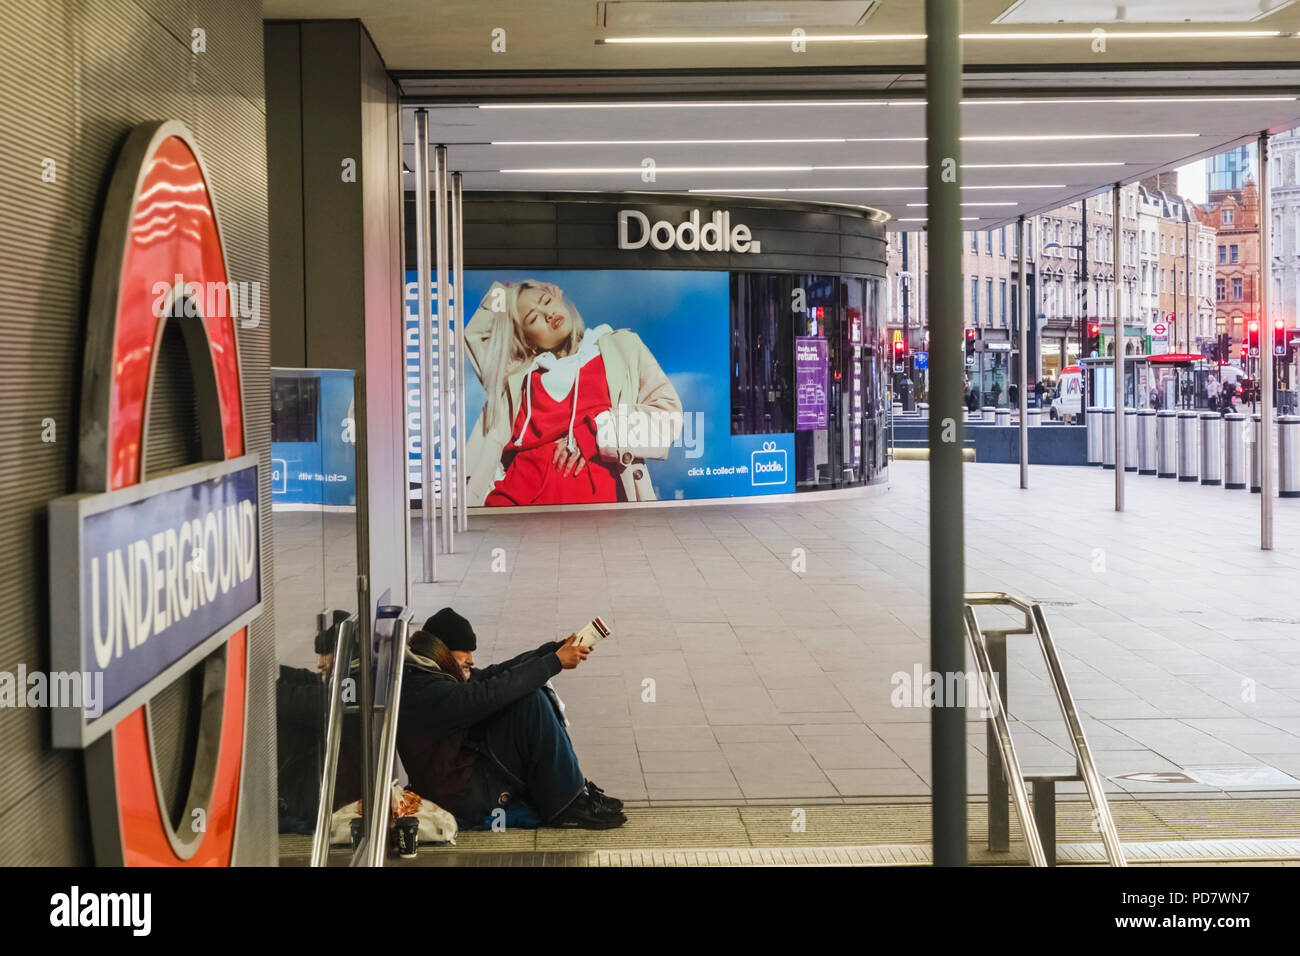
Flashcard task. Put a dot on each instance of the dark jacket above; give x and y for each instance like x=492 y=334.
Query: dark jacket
x=436 y=736
x=300 y=728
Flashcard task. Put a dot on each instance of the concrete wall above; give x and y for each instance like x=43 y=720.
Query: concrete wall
x=336 y=253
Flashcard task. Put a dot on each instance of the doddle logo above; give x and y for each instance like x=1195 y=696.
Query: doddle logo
x=767 y=465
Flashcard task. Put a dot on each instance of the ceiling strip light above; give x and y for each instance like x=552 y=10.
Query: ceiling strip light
x=679 y=104
x=914 y=102
x=916 y=37
x=637 y=170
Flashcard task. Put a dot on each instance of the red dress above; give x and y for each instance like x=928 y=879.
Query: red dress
x=532 y=477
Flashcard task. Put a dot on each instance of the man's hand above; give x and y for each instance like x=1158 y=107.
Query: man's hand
x=568 y=462
x=570 y=654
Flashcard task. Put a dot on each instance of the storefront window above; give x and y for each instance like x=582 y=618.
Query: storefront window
x=817 y=373
x=762 y=353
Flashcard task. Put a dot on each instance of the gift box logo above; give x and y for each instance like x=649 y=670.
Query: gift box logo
x=767 y=465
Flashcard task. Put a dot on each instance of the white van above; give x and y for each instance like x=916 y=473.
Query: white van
x=1067 y=402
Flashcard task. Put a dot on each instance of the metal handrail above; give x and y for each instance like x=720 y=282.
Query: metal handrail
x=1036 y=623
x=1005 y=745
x=343 y=645
x=377 y=814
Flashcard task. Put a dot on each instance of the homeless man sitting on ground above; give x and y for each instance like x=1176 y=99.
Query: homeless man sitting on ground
x=474 y=740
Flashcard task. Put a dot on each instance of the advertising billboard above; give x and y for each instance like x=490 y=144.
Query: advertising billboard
x=591 y=386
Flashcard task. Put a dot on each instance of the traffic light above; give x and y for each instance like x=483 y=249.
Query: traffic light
x=1279 y=337
x=1094 y=339
x=1252 y=336
x=899 y=349
x=1245 y=350
x=970 y=345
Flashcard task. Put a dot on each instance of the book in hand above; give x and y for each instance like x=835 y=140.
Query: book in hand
x=592 y=634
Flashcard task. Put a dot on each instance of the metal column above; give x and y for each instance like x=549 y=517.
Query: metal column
x=444 y=343
x=943 y=83
x=1121 y=429
x=1266 y=479
x=1022 y=294
x=458 y=317
x=423 y=245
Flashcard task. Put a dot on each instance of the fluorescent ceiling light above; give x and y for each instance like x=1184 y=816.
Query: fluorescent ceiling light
x=1035 y=165
x=618 y=170
x=854 y=189
x=1067 y=137
x=620 y=14
x=659 y=142
x=914 y=102
x=778 y=38
x=813 y=189
x=679 y=104
x=1162 y=100
x=1140 y=11
x=786 y=38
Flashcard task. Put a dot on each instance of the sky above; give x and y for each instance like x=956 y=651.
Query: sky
x=1191 y=182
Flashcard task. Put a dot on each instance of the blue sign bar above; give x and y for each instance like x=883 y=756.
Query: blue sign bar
x=165 y=571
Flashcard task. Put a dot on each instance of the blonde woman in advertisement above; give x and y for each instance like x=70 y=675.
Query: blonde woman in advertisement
x=571 y=413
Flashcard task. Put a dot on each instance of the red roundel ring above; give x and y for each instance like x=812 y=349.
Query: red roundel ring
x=159 y=222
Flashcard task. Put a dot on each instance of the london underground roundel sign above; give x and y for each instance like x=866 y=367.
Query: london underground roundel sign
x=153 y=577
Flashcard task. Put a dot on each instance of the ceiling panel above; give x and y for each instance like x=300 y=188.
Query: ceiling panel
x=534 y=149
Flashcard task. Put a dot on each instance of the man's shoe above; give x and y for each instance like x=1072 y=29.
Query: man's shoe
x=586 y=812
x=614 y=803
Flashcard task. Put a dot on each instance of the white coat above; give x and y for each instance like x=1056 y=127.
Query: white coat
x=639 y=391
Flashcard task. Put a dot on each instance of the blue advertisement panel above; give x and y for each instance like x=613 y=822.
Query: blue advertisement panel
x=415 y=437
x=313 y=445
x=587 y=386
x=162 y=574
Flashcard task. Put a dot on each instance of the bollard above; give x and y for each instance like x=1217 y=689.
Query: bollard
x=1130 y=440
x=990 y=413
x=1166 y=443
x=924 y=409
x=1288 y=457
x=1004 y=416
x=1094 y=436
x=1234 y=451
x=1255 y=434
x=1146 y=429
x=1108 y=438
x=1188 y=446
x=1033 y=417
x=1211 y=448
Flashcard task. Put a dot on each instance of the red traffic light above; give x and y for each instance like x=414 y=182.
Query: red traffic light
x=1094 y=329
x=1254 y=325
x=898 y=346
x=970 y=333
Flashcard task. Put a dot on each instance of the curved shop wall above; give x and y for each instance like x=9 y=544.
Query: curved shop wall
x=763 y=317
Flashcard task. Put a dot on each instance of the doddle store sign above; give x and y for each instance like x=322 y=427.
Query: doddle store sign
x=156 y=575
x=715 y=235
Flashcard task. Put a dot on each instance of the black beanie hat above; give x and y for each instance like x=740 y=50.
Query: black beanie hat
x=452 y=629
x=326 y=639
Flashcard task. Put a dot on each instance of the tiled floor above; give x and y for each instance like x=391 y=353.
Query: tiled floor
x=734 y=678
